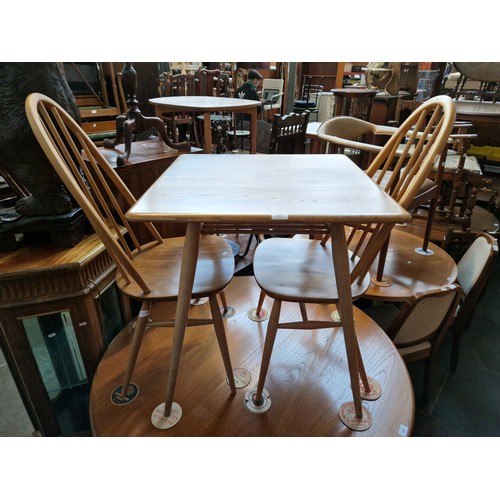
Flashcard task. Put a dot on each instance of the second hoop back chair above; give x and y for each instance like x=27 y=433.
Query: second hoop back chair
x=348 y=132
x=146 y=273
x=300 y=270
x=419 y=326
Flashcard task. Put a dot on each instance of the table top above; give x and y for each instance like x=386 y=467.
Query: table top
x=204 y=103
x=312 y=129
x=354 y=91
x=266 y=189
x=478 y=108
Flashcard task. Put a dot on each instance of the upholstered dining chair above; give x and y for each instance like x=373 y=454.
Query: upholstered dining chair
x=417 y=329
x=300 y=270
x=147 y=273
x=474 y=270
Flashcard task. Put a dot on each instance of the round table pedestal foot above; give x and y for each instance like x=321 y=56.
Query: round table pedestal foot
x=199 y=302
x=375 y=390
x=421 y=251
x=229 y=313
x=242 y=378
x=131 y=394
x=382 y=282
x=160 y=421
x=252 y=407
x=252 y=314
x=347 y=414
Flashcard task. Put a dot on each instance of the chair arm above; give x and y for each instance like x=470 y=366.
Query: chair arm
x=350 y=144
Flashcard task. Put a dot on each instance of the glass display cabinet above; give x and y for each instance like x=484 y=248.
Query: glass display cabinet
x=60 y=309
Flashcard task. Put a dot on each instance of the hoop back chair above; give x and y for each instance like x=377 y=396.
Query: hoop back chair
x=398 y=164
x=474 y=270
x=417 y=329
x=147 y=273
x=300 y=270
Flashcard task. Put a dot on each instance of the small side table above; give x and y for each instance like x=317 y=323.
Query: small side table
x=354 y=102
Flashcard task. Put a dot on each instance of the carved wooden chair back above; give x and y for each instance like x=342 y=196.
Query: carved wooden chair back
x=288 y=135
x=210 y=82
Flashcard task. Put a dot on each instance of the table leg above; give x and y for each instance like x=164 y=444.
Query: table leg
x=253 y=131
x=188 y=268
x=207 y=133
x=343 y=278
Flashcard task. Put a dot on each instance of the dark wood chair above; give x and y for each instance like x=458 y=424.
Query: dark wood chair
x=147 y=273
x=309 y=98
x=288 y=135
x=209 y=82
x=180 y=123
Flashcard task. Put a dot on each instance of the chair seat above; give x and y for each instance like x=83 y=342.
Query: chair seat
x=160 y=266
x=298 y=270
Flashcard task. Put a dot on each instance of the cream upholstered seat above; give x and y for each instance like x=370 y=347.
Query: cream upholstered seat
x=147 y=273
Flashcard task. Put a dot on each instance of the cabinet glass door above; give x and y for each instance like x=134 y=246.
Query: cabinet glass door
x=55 y=348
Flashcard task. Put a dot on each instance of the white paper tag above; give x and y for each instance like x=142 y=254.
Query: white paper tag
x=403 y=430
x=279 y=216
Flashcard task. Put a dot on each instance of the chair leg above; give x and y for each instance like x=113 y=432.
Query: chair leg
x=430 y=365
x=221 y=338
x=455 y=349
x=138 y=335
x=381 y=261
x=224 y=302
x=303 y=311
x=430 y=220
x=262 y=296
x=272 y=329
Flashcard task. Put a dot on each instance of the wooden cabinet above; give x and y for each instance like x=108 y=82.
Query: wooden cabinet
x=60 y=309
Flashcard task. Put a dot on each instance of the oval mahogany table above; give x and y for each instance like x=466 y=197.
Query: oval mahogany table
x=207 y=105
x=308 y=379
